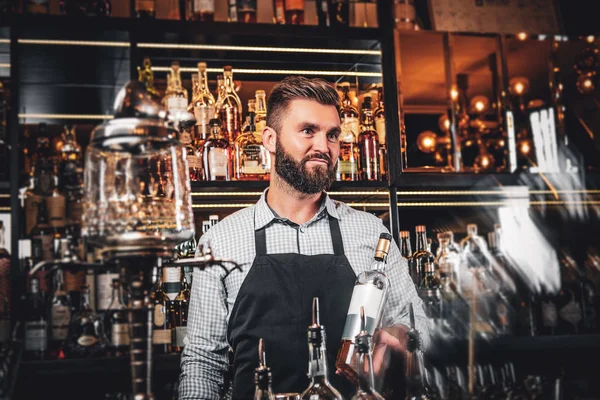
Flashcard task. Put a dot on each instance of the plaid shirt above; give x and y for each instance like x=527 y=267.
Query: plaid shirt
x=204 y=358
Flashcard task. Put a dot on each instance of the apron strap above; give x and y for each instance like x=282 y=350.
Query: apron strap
x=260 y=238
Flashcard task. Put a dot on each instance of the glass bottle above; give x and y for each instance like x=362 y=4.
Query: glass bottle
x=229 y=106
x=448 y=262
x=117 y=323
x=146 y=76
x=162 y=333
x=216 y=155
x=86 y=332
x=176 y=97
x=37 y=6
x=36 y=326
x=42 y=234
x=430 y=279
x=202 y=10
x=71 y=161
x=368 y=144
x=417 y=387
x=319 y=386
x=262 y=376
x=252 y=160
x=180 y=316
x=421 y=256
x=339 y=13
x=145 y=8
x=246 y=11
x=203 y=105
x=194 y=161
x=260 y=119
x=294 y=12
x=366 y=389
x=323 y=13
x=405 y=246
x=371 y=291
x=279 y=11
x=379 y=118
x=348 y=168
x=60 y=317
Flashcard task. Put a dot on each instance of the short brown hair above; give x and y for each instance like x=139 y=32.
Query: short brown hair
x=298 y=87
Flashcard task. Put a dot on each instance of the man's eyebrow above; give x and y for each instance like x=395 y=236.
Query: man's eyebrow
x=309 y=125
x=336 y=130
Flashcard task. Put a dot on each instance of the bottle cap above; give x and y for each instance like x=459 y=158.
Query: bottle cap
x=404 y=234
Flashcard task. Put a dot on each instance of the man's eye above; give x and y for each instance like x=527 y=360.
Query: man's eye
x=307 y=131
x=333 y=136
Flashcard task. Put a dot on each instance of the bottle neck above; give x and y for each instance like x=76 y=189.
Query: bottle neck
x=405 y=247
x=203 y=82
x=367 y=117
x=421 y=241
x=317 y=363
x=366 y=379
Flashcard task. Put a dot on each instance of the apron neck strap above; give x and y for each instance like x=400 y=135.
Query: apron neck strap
x=260 y=238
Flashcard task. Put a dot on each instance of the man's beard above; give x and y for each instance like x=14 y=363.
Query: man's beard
x=297 y=176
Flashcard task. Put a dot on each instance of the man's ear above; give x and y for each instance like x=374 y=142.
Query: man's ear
x=269 y=137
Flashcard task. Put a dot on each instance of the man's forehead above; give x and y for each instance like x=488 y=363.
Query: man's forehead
x=311 y=111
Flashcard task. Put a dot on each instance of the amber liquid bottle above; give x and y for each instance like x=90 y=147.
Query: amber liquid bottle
x=216 y=155
x=348 y=168
x=368 y=143
x=229 y=106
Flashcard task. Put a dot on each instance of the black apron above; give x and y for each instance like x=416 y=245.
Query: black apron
x=274 y=303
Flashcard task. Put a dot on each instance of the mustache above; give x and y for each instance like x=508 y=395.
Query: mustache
x=320 y=156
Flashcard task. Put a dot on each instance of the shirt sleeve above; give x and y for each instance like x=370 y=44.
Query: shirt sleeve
x=402 y=293
x=204 y=360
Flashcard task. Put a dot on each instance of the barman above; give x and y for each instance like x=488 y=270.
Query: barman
x=294 y=244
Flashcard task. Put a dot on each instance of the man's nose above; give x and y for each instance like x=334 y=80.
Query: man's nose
x=320 y=143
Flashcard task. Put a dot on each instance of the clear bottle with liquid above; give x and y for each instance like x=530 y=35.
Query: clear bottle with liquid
x=229 y=106
x=364 y=364
x=36 y=324
x=348 y=168
x=216 y=155
x=371 y=291
x=117 y=323
x=60 y=317
x=368 y=143
x=421 y=256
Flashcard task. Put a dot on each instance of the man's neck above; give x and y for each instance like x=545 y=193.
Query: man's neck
x=289 y=203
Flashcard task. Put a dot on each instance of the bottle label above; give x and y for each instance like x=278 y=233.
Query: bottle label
x=175 y=103
x=180 y=334
x=104 y=290
x=120 y=334
x=171 y=281
x=159 y=315
x=194 y=162
x=350 y=129
x=86 y=340
x=204 y=114
x=161 y=336
x=380 y=128
x=251 y=164
x=294 y=5
x=347 y=167
x=571 y=312
x=35 y=336
x=217 y=163
x=61 y=316
x=371 y=298
x=549 y=314
x=204 y=6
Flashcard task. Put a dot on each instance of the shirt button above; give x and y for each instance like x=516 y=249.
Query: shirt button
x=302 y=229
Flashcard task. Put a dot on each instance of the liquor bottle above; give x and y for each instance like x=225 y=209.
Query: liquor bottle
x=448 y=261
x=368 y=144
x=104 y=287
x=146 y=76
x=260 y=119
x=262 y=376
x=252 y=160
x=176 y=97
x=194 y=161
x=417 y=387
x=232 y=11
x=203 y=104
x=379 y=117
x=37 y=6
x=87 y=337
x=348 y=168
x=116 y=323
x=60 y=317
x=202 y=10
x=216 y=155
x=162 y=332
x=42 y=234
x=145 y=8
x=251 y=108
x=36 y=326
x=339 y=13
x=323 y=12
x=405 y=246
x=364 y=363
x=246 y=11
x=229 y=106
x=279 y=11
x=319 y=386
x=71 y=162
x=294 y=12
x=171 y=280
x=179 y=317
x=371 y=291
x=57 y=204
x=430 y=279
x=421 y=256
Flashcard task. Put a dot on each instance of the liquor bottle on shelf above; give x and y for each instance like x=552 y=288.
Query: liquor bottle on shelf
x=60 y=317
x=252 y=160
x=86 y=331
x=36 y=325
x=294 y=12
x=368 y=144
x=319 y=386
x=171 y=280
x=364 y=363
x=42 y=234
x=57 y=204
x=279 y=11
x=104 y=287
x=417 y=383
x=145 y=8
x=179 y=317
x=379 y=118
x=448 y=261
x=71 y=161
x=201 y=10
x=323 y=13
x=260 y=119
x=37 y=6
x=194 y=161
x=176 y=97
x=246 y=11
x=421 y=256
x=405 y=246
x=371 y=291
x=162 y=332
x=339 y=13
x=203 y=104
x=348 y=168
x=262 y=376
x=216 y=154
x=146 y=76
x=229 y=106
x=116 y=322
